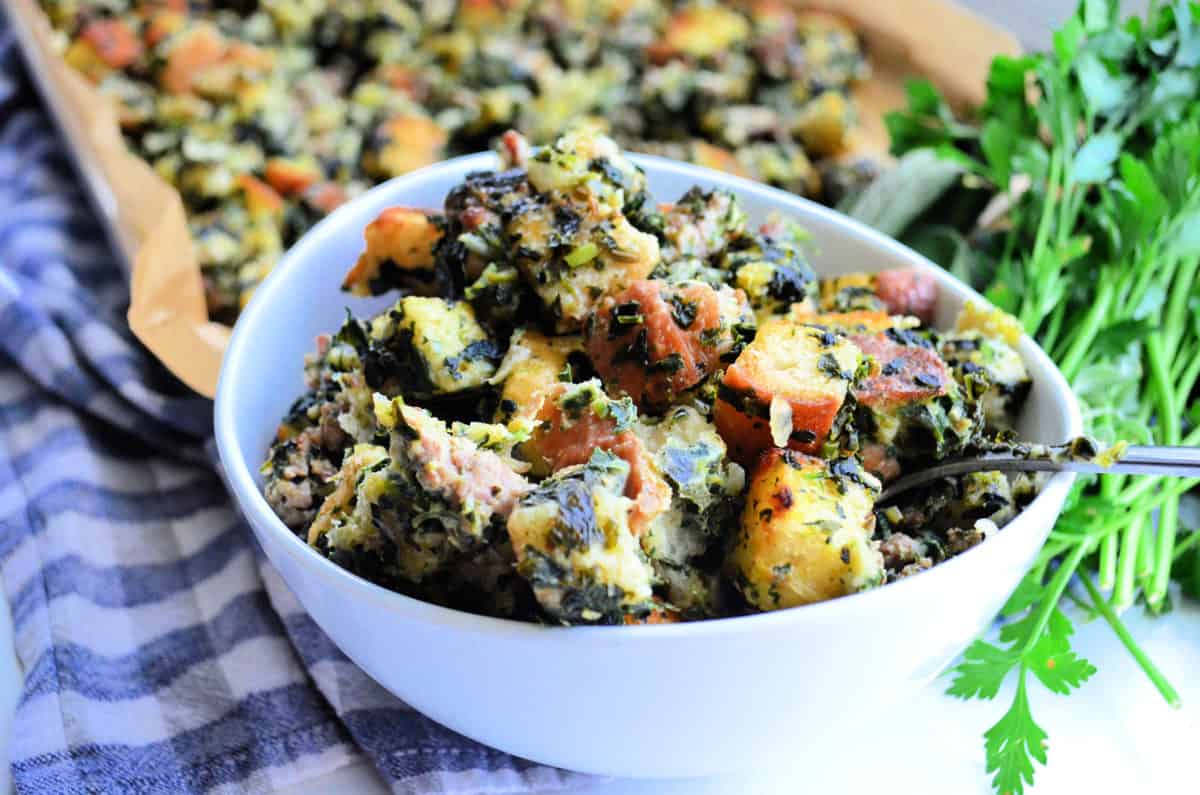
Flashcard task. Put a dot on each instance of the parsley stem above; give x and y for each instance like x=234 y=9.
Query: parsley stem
x=1053 y=188
x=1168 y=423
x=1164 y=553
x=1186 y=544
x=1131 y=541
x=1050 y=336
x=1189 y=373
x=1081 y=345
x=1177 y=305
x=1107 y=568
x=1065 y=214
x=1145 y=408
x=1095 y=531
x=1031 y=314
x=1120 y=510
x=1054 y=548
x=1145 y=559
x=1054 y=591
x=1195 y=572
x=1170 y=491
x=1148 y=270
x=1108 y=546
x=1138 y=490
x=1156 y=676
x=1050 y=551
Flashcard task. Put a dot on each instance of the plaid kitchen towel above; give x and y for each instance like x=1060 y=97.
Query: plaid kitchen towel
x=161 y=652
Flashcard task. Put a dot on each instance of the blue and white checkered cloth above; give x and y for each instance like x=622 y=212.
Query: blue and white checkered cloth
x=161 y=651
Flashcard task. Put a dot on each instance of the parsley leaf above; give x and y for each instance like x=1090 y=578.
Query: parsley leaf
x=1060 y=669
x=1094 y=160
x=1053 y=662
x=928 y=120
x=982 y=670
x=1013 y=743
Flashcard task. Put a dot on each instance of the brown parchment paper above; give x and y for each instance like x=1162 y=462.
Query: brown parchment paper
x=167 y=310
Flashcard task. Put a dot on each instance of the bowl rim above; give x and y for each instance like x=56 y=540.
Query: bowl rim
x=240 y=480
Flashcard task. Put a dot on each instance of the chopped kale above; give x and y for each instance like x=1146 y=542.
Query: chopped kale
x=683 y=311
x=480 y=349
x=576 y=526
x=672 y=363
x=927 y=380
x=828 y=365
x=905 y=336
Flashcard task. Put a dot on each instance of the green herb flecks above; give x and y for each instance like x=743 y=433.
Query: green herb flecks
x=582 y=254
x=831 y=368
x=683 y=311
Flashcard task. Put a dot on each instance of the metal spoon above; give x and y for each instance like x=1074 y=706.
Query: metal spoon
x=1134 y=460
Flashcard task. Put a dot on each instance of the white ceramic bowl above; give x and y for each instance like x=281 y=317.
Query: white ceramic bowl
x=678 y=700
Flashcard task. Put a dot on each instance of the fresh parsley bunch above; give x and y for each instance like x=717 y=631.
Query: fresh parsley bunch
x=1072 y=200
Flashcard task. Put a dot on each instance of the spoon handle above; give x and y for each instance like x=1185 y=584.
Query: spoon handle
x=1154 y=460
x=1136 y=460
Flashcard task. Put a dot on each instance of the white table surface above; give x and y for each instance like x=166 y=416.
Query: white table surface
x=1115 y=736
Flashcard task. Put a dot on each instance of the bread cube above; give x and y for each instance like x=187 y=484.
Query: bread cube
x=112 y=42
x=530 y=371
x=572 y=252
x=1006 y=383
x=573 y=543
x=859 y=321
x=832 y=52
x=784 y=165
x=405 y=143
x=805 y=534
x=824 y=123
x=701 y=223
x=772 y=272
x=910 y=401
x=698 y=31
x=426 y=347
x=654 y=340
x=709 y=155
x=584 y=161
x=785 y=389
x=292 y=176
x=901 y=291
x=851 y=292
x=399 y=253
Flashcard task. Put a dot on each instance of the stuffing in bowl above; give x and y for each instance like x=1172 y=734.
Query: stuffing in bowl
x=586 y=407
x=679 y=698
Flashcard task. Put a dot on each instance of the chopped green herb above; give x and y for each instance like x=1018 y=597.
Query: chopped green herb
x=828 y=365
x=683 y=312
x=582 y=254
